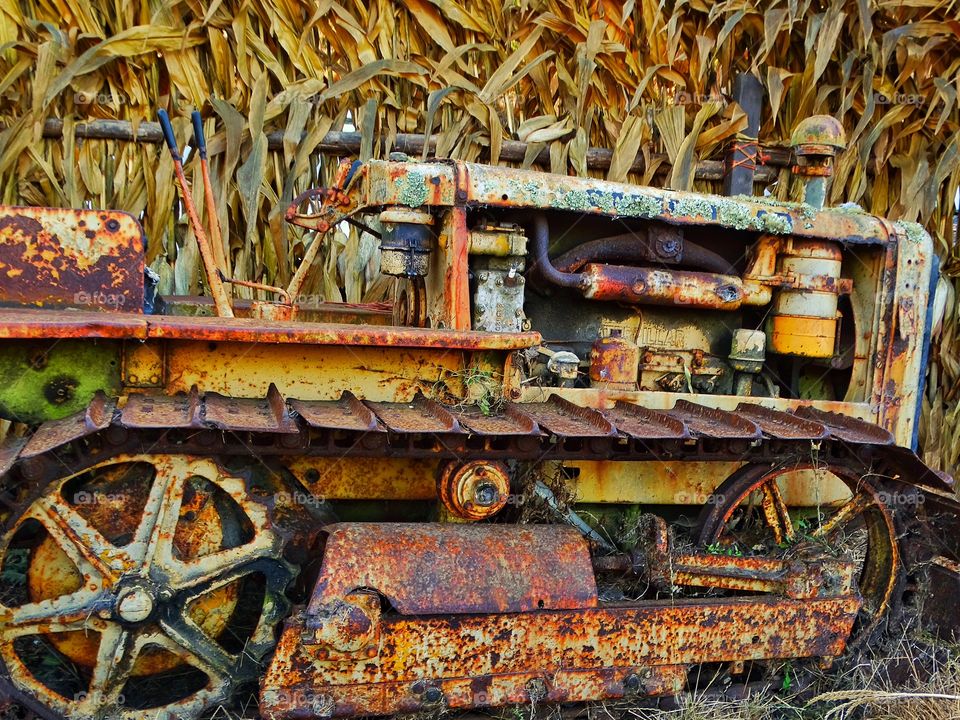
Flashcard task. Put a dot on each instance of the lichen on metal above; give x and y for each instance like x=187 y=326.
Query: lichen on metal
x=412 y=189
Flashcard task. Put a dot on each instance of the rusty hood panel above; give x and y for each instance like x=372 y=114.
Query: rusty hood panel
x=433 y=568
x=51 y=257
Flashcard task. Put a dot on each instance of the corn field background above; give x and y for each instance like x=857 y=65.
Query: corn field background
x=639 y=78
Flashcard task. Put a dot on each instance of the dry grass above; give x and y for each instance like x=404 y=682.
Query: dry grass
x=917 y=678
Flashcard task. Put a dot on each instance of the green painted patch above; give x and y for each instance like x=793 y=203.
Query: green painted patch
x=48 y=380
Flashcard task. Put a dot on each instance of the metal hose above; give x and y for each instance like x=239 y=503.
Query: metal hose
x=541 y=246
x=629 y=248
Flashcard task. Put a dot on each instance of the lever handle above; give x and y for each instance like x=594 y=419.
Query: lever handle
x=167 y=128
x=198 y=137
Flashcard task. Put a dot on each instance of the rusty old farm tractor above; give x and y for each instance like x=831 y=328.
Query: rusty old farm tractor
x=607 y=435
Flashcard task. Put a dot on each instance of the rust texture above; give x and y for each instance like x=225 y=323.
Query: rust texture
x=504 y=618
x=489 y=614
x=435 y=184
x=614 y=362
x=39 y=324
x=91 y=259
x=940 y=603
x=557 y=656
x=53 y=434
x=662 y=287
x=427 y=568
x=555 y=428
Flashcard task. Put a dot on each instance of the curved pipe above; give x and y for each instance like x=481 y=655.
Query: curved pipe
x=541 y=253
x=615 y=249
x=631 y=249
x=699 y=257
x=637 y=284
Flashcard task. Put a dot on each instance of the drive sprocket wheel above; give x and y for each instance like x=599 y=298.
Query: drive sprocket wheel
x=747 y=513
x=146 y=586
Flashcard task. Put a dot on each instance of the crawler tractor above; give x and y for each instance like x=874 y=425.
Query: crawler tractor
x=607 y=440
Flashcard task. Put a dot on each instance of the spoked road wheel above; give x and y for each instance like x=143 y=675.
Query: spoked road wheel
x=146 y=586
x=747 y=513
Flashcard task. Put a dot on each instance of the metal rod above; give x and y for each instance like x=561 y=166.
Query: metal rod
x=261 y=286
x=741 y=163
x=546 y=494
x=216 y=238
x=300 y=276
x=345 y=143
x=220 y=298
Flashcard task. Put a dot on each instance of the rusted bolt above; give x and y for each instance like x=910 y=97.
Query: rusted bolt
x=38 y=360
x=33 y=468
x=135 y=605
x=113 y=225
x=728 y=293
x=669 y=248
x=60 y=390
x=432 y=695
x=474 y=490
x=631 y=683
x=117 y=435
x=486 y=495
